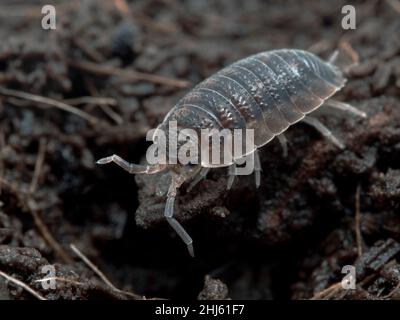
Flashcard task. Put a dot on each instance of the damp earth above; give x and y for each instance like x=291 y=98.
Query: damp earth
x=109 y=73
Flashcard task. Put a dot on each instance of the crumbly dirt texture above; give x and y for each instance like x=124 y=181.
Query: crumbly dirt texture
x=112 y=70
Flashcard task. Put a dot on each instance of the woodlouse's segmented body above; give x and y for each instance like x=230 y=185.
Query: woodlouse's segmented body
x=266 y=92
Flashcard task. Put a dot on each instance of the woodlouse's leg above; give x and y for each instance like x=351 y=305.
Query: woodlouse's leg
x=332 y=59
x=200 y=176
x=283 y=141
x=257 y=168
x=345 y=107
x=232 y=170
x=323 y=130
x=131 y=167
x=169 y=213
x=231 y=175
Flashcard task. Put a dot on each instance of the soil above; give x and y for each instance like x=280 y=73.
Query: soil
x=112 y=70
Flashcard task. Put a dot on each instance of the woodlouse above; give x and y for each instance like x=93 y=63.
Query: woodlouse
x=267 y=92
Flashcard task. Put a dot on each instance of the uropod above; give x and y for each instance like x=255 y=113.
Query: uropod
x=266 y=92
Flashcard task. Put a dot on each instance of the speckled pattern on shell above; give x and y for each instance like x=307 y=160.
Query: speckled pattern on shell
x=266 y=92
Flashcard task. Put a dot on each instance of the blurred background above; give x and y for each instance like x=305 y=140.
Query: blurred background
x=109 y=72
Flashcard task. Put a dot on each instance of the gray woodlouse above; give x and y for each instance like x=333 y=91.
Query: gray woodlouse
x=267 y=92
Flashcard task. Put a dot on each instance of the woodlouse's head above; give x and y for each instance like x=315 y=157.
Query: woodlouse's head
x=178 y=174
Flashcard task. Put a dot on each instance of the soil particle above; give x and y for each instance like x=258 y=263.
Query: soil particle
x=214 y=289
